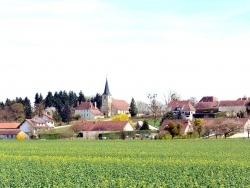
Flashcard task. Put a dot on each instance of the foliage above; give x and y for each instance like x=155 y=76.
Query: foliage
x=98 y=100
x=27 y=108
x=77 y=116
x=120 y=117
x=18 y=113
x=174 y=129
x=198 y=125
x=21 y=136
x=81 y=97
x=66 y=114
x=145 y=125
x=168 y=115
x=133 y=108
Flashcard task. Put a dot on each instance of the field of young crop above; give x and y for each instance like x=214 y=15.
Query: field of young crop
x=125 y=163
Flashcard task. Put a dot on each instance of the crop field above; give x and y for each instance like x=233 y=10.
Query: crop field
x=125 y=163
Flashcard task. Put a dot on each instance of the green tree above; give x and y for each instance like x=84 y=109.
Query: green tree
x=145 y=125
x=168 y=115
x=198 y=126
x=66 y=113
x=27 y=108
x=49 y=100
x=173 y=129
x=81 y=97
x=133 y=108
x=17 y=110
x=38 y=98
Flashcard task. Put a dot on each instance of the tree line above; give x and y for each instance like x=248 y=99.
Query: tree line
x=59 y=104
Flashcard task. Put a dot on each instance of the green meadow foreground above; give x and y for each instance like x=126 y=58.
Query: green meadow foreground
x=125 y=163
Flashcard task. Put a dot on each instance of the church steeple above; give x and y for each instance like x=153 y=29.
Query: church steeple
x=106 y=89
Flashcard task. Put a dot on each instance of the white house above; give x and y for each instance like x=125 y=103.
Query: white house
x=31 y=126
x=232 y=107
x=9 y=130
x=184 y=107
x=87 y=111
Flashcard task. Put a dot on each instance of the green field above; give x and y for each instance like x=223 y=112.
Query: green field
x=125 y=163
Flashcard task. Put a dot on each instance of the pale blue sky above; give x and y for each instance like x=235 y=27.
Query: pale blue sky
x=195 y=48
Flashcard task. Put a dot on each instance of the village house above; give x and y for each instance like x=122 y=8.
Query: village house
x=9 y=130
x=88 y=111
x=31 y=126
x=207 y=107
x=183 y=108
x=232 y=107
x=110 y=106
x=94 y=130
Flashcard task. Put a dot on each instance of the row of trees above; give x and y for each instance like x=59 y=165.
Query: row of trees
x=60 y=105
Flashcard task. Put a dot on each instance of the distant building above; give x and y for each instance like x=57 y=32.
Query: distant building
x=110 y=106
x=207 y=107
x=184 y=107
x=88 y=111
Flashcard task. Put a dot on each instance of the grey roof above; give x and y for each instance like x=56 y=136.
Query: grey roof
x=106 y=89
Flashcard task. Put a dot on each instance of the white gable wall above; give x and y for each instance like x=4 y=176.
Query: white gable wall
x=27 y=128
x=128 y=127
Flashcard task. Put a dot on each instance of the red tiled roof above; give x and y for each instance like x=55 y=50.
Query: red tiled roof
x=9 y=131
x=208 y=99
x=220 y=121
x=207 y=105
x=103 y=125
x=9 y=125
x=96 y=112
x=36 y=123
x=48 y=116
x=183 y=122
x=120 y=104
x=185 y=104
x=85 y=106
x=232 y=103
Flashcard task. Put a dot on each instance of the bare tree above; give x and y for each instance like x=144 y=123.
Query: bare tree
x=193 y=100
x=171 y=96
x=247 y=128
x=142 y=107
x=155 y=107
x=228 y=126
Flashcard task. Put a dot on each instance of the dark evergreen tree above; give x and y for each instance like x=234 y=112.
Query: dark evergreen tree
x=1 y=105
x=27 y=108
x=133 y=108
x=38 y=98
x=72 y=99
x=98 y=100
x=168 y=115
x=145 y=125
x=81 y=97
x=66 y=113
x=9 y=102
x=49 y=100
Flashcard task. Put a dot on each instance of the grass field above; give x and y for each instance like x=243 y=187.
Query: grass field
x=125 y=163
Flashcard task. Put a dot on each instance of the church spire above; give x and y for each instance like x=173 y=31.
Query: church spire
x=106 y=89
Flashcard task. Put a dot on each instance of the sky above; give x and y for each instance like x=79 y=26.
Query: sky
x=196 y=48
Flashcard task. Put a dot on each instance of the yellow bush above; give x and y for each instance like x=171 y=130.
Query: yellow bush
x=21 y=136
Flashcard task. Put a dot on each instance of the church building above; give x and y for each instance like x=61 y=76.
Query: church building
x=110 y=106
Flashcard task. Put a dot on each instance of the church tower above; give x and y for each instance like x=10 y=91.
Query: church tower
x=106 y=101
